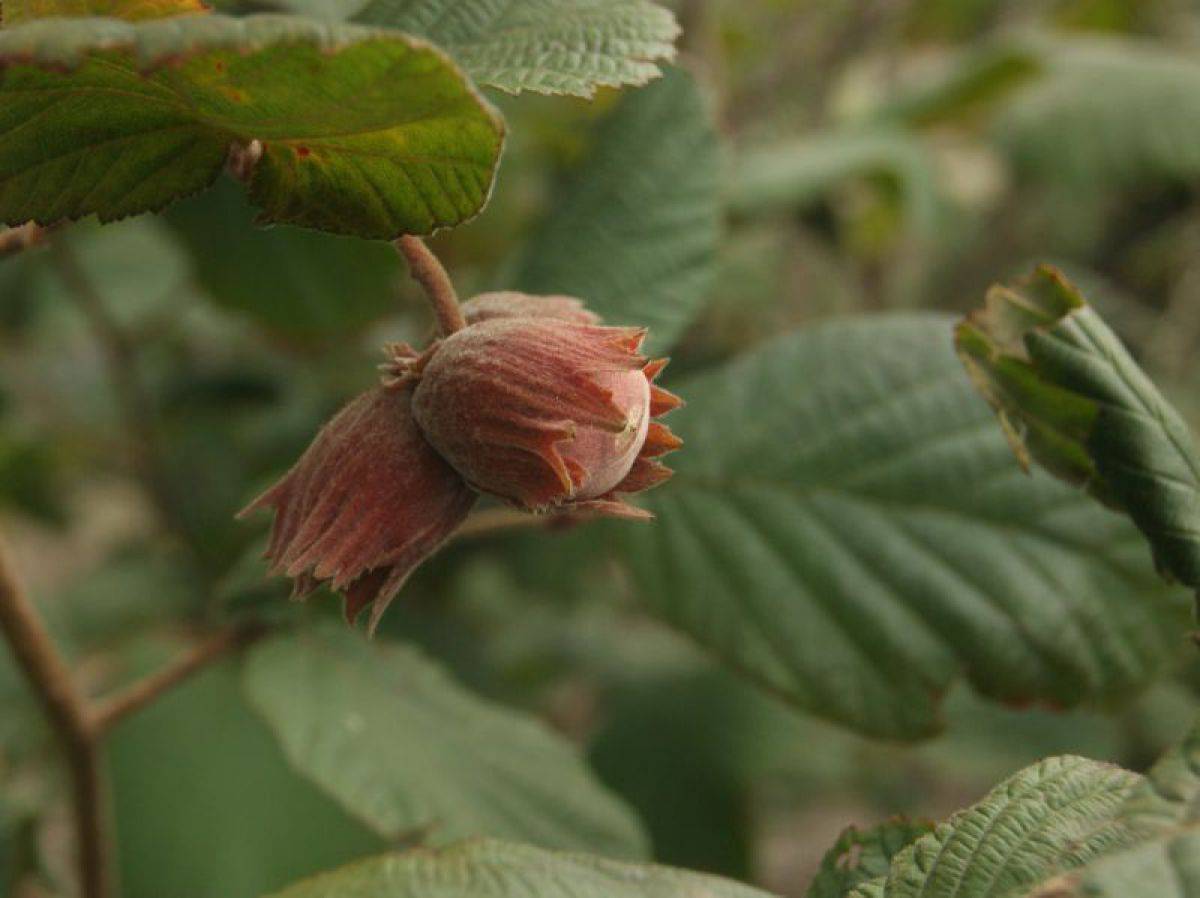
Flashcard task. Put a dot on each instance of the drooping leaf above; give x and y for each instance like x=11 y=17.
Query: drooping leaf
x=405 y=749
x=490 y=869
x=859 y=856
x=634 y=231
x=17 y=12
x=292 y=281
x=1070 y=397
x=797 y=172
x=847 y=527
x=364 y=131
x=548 y=46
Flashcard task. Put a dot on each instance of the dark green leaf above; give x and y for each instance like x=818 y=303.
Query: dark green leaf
x=293 y=281
x=1070 y=397
x=405 y=749
x=364 y=131
x=847 y=526
x=490 y=869
x=634 y=232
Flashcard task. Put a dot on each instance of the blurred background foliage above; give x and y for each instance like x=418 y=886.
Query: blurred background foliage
x=873 y=155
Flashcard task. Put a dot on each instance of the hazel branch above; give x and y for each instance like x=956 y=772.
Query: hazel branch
x=112 y=710
x=67 y=710
x=429 y=273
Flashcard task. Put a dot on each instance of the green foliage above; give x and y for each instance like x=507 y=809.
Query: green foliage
x=251 y=824
x=856 y=544
x=139 y=115
x=859 y=857
x=548 y=46
x=798 y=172
x=407 y=751
x=1070 y=397
x=490 y=869
x=634 y=231
x=285 y=278
x=1064 y=827
x=1107 y=111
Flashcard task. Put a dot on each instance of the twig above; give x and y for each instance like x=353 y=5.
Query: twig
x=67 y=709
x=429 y=273
x=112 y=710
x=136 y=408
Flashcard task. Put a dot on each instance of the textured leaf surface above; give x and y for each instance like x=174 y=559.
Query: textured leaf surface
x=17 y=12
x=365 y=132
x=549 y=46
x=634 y=232
x=293 y=281
x=847 y=526
x=1045 y=820
x=490 y=869
x=860 y=856
x=1070 y=397
x=405 y=749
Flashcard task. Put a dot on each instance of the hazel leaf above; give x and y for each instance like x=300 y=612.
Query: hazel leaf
x=364 y=131
x=486 y=868
x=1048 y=819
x=634 y=230
x=1070 y=398
x=847 y=527
x=547 y=46
x=860 y=856
x=404 y=749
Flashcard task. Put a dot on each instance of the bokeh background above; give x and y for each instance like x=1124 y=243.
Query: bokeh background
x=841 y=157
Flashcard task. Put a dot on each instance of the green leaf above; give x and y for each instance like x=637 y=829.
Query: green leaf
x=208 y=810
x=1048 y=819
x=847 y=527
x=405 y=749
x=548 y=46
x=859 y=856
x=1165 y=868
x=365 y=131
x=1070 y=397
x=1107 y=112
x=295 y=282
x=635 y=230
x=798 y=172
x=486 y=868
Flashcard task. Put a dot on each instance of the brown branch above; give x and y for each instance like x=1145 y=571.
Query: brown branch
x=112 y=710
x=67 y=710
x=134 y=404
x=429 y=273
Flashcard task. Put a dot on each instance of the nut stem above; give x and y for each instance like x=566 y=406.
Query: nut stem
x=429 y=273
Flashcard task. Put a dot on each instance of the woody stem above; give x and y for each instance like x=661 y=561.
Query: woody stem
x=429 y=273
